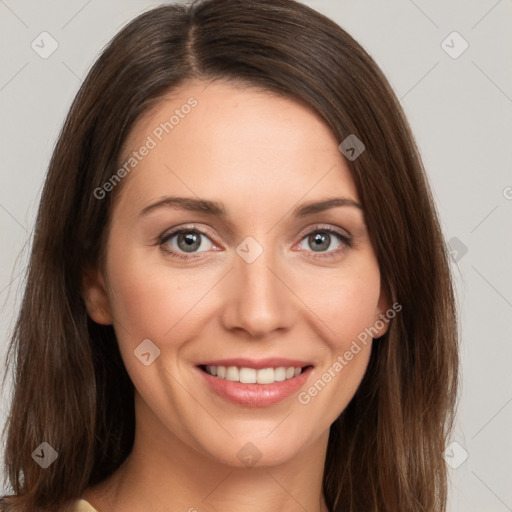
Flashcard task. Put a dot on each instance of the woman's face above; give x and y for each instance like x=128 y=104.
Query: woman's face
x=272 y=281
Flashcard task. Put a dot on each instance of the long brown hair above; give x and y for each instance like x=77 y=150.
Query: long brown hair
x=71 y=389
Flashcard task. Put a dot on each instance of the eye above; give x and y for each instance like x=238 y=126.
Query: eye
x=325 y=240
x=186 y=242
x=183 y=241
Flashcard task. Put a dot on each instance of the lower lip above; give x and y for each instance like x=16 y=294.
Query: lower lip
x=256 y=395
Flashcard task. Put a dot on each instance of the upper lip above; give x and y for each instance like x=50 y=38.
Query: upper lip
x=257 y=364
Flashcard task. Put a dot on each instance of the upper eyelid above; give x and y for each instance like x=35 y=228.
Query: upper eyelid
x=175 y=231
x=206 y=231
x=326 y=227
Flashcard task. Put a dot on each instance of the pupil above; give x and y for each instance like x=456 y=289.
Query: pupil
x=320 y=241
x=192 y=241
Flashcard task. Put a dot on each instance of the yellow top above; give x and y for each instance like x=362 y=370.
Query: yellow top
x=82 y=506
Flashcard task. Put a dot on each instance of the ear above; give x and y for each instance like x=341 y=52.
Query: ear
x=95 y=296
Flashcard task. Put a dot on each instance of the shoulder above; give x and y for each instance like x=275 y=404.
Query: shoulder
x=82 y=506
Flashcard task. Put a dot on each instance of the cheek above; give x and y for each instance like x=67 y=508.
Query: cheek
x=148 y=301
x=348 y=306
x=346 y=301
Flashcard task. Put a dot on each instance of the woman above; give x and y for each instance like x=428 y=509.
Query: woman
x=238 y=295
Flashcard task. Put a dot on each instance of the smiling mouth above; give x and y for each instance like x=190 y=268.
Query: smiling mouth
x=246 y=375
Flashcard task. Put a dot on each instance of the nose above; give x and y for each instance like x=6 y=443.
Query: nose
x=258 y=297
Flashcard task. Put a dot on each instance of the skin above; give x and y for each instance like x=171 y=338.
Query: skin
x=261 y=156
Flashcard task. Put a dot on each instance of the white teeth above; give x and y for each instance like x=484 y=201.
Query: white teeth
x=280 y=374
x=265 y=376
x=247 y=375
x=252 y=376
x=232 y=373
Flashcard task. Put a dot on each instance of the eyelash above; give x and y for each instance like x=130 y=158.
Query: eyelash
x=345 y=239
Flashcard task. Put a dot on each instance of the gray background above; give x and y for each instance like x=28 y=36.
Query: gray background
x=460 y=112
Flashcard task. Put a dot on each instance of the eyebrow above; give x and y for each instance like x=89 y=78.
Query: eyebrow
x=217 y=209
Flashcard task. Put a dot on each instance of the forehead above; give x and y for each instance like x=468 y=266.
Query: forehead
x=217 y=138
